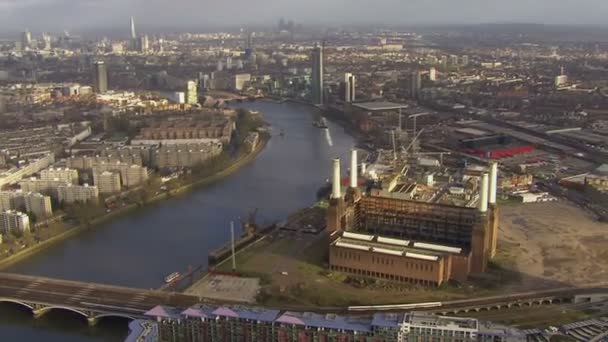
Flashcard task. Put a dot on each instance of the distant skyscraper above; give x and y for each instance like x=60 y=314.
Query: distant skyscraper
x=18 y=46
x=465 y=60
x=317 y=75
x=26 y=39
x=250 y=41
x=100 y=77
x=133 y=35
x=46 y=41
x=433 y=74
x=453 y=60
x=191 y=93
x=416 y=84
x=144 y=44
x=228 y=63
x=349 y=87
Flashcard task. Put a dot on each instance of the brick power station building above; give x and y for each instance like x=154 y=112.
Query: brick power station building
x=409 y=241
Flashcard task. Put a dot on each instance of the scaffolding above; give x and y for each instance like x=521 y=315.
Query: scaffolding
x=420 y=221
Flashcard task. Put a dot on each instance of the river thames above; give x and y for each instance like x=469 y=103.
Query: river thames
x=138 y=250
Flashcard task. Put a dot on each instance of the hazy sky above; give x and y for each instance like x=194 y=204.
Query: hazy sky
x=15 y=15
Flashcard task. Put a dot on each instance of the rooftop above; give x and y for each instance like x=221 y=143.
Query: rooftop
x=429 y=320
x=396 y=247
x=330 y=321
x=379 y=106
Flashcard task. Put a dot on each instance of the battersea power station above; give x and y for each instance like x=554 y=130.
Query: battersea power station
x=410 y=241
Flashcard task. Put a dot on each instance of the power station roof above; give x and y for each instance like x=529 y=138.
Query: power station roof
x=387 y=251
x=438 y=248
x=421 y=256
x=355 y=236
x=379 y=106
x=402 y=250
x=391 y=241
x=352 y=246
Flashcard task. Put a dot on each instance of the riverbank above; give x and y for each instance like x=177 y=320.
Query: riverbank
x=95 y=223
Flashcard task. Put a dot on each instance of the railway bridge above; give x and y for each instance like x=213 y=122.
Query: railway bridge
x=91 y=301
x=96 y=301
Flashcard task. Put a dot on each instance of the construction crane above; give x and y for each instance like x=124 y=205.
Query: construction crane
x=249 y=225
x=406 y=149
x=414 y=116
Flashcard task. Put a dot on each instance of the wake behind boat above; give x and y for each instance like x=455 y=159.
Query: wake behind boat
x=321 y=123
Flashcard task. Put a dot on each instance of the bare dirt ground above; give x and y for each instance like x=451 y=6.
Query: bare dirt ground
x=553 y=244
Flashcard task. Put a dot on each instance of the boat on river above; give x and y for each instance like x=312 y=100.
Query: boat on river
x=172 y=277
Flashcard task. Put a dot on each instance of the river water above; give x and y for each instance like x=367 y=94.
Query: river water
x=140 y=249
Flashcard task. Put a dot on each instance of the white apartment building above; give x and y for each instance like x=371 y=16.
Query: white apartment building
x=38 y=204
x=11 y=220
x=14 y=175
x=418 y=326
x=42 y=186
x=62 y=174
x=130 y=175
x=33 y=202
x=70 y=193
x=107 y=182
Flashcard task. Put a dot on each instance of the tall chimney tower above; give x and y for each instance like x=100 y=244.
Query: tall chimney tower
x=335 y=183
x=483 y=194
x=353 y=169
x=493 y=182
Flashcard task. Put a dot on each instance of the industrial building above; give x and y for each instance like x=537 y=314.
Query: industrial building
x=494 y=146
x=409 y=241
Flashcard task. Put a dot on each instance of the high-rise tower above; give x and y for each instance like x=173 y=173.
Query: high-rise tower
x=26 y=39
x=317 y=75
x=133 y=35
x=100 y=77
x=349 y=87
x=416 y=84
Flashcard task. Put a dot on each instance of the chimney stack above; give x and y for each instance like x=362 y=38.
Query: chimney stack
x=335 y=186
x=493 y=182
x=353 y=169
x=483 y=194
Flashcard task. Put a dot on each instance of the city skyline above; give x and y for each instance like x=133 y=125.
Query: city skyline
x=91 y=14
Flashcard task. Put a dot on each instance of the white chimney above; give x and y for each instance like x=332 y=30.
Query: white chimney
x=335 y=188
x=483 y=194
x=493 y=182
x=353 y=169
x=363 y=169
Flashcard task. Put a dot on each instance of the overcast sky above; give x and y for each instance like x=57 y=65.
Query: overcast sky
x=16 y=15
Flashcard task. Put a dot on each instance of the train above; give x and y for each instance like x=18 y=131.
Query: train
x=428 y=305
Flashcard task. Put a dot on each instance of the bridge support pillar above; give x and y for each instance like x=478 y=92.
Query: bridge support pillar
x=92 y=320
x=38 y=310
